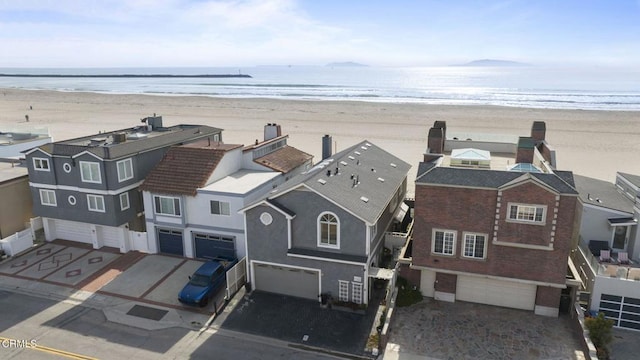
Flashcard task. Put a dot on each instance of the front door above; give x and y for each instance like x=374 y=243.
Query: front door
x=620 y=238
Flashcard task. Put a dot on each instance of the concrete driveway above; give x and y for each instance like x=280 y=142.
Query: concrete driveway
x=441 y=330
x=154 y=279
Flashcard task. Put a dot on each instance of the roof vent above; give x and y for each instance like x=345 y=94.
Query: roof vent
x=351 y=157
x=393 y=165
x=367 y=144
x=380 y=179
x=344 y=163
x=322 y=181
x=364 y=198
x=357 y=152
x=363 y=147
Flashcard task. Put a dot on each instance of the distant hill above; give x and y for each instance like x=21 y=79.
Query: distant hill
x=492 y=62
x=346 y=64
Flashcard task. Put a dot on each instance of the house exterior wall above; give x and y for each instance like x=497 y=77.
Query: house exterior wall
x=308 y=206
x=519 y=254
x=595 y=223
x=268 y=243
x=15 y=207
x=109 y=187
x=230 y=163
x=613 y=286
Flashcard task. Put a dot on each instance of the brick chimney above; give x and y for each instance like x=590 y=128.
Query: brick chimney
x=435 y=141
x=538 y=130
x=525 y=150
x=272 y=131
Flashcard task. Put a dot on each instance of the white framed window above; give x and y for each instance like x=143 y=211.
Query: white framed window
x=527 y=213
x=124 y=201
x=166 y=205
x=95 y=202
x=328 y=230
x=66 y=167
x=48 y=197
x=41 y=164
x=266 y=218
x=356 y=292
x=343 y=290
x=90 y=172
x=475 y=246
x=219 y=207
x=443 y=242
x=125 y=170
x=71 y=199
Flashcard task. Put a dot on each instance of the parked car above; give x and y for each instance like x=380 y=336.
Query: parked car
x=205 y=282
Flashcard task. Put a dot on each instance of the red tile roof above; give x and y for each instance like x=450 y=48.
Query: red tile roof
x=284 y=159
x=184 y=169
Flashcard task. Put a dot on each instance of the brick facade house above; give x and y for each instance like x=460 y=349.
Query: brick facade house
x=494 y=236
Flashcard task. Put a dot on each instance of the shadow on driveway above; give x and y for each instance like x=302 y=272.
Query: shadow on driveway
x=289 y=319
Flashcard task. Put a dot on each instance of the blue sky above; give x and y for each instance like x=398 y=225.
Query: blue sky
x=109 y=33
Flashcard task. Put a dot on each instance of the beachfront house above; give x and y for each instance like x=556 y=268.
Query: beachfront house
x=608 y=255
x=323 y=231
x=86 y=189
x=193 y=195
x=495 y=226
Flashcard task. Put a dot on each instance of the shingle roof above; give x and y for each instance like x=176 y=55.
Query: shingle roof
x=159 y=138
x=484 y=178
x=284 y=159
x=184 y=169
x=365 y=172
x=602 y=193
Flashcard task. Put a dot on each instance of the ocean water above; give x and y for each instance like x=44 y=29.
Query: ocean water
x=589 y=88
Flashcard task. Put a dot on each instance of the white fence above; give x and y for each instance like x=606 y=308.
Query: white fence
x=236 y=277
x=138 y=241
x=18 y=242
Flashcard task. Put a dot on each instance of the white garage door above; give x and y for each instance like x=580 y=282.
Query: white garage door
x=110 y=236
x=286 y=280
x=496 y=292
x=74 y=231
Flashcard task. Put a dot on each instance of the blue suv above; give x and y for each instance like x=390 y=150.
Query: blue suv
x=205 y=282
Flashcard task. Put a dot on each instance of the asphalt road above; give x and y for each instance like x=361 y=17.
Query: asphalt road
x=61 y=330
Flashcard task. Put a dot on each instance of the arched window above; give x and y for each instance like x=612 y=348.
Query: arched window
x=328 y=230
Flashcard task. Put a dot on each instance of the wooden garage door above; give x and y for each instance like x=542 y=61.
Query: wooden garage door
x=287 y=280
x=496 y=292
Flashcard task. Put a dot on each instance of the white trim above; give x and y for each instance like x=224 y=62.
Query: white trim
x=90 y=163
x=353 y=292
x=42 y=202
x=340 y=284
x=501 y=278
x=289 y=245
x=527 y=177
x=475 y=235
x=246 y=250
x=433 y=241
x=30 y=151
x=367 y=241
x=265 y=218
x=326 y=259
x=524 y=221
x=97 y=209
x=319 y=271
x=84 y=190
x=66 y=167
x=265 y=202
x=72 y=200
x=607 y=209
x=524 y=246
x=156 y=212
x=87 y=153
x=122 y=208
x=42 y=161
x=319 y=230
x=125 y=161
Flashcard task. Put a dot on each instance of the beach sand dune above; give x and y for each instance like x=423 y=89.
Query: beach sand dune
x=591 y=143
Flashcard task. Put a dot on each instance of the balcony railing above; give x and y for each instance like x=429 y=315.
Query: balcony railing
x=610 y=269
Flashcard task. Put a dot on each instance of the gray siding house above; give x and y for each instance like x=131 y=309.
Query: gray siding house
x=86 y=189
x=322 y=232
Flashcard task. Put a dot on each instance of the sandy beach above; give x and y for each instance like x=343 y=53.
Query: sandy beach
x=591 y=143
